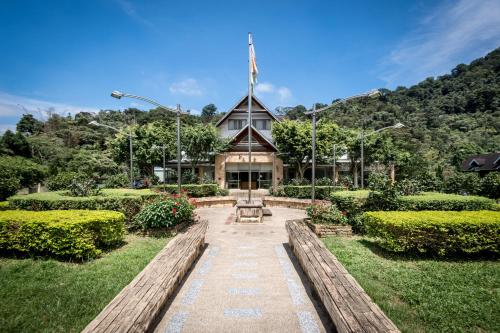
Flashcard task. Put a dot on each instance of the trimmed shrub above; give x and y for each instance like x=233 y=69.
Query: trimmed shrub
x=436 y=232
x=443 y=201
x=350 y=201
x=192 y=190
x=127 y=201
x=326 y=214
x=70 y=234
x=302 y=192
x=165 y=212
x=62 y=180
x=4 y=205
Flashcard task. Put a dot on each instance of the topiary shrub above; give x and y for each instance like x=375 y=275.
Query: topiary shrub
x=439 y=233
x=164 y=212
x=69 y=234
x=490 y=185
x=326 y=214
x=443 y=201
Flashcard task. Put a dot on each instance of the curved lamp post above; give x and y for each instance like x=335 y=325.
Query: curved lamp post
x=363 y=136
x=95 y=123
x=177 y=111
x=371 y=93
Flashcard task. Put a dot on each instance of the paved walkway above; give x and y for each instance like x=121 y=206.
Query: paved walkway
x=245 y=281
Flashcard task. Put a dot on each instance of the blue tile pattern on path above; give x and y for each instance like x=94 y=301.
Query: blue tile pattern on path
x=244 y=291
x=307 y=322
x=193 y=292
x=177 y=322
x=243 y=313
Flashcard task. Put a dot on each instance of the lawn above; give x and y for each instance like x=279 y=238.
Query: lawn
x=425 y=295
x=51 y=296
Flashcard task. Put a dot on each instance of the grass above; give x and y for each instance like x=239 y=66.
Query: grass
x=360 y=194
x=41 y=295
x=424 y=295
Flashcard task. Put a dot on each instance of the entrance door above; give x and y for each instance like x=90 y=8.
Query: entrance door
x=244 y=180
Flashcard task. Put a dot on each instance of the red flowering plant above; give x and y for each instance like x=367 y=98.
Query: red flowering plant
x=165 y=211
x=326 y=214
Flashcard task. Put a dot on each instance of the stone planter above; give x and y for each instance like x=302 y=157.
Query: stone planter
x=323 y=230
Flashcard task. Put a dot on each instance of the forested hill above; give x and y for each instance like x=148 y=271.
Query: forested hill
x=446 y=118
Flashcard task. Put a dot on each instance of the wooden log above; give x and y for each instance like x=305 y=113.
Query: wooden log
x=137 y=307
x=348 y=305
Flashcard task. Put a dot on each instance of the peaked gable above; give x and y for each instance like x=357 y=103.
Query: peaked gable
x=239 y=143
x=242 y=106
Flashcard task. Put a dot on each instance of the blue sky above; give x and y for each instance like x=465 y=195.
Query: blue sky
x=68 y=56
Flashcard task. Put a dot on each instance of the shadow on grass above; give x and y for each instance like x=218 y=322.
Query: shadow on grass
x=379 y=251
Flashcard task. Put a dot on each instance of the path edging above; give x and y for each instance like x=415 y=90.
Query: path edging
x=348 y=305
x=137 y=307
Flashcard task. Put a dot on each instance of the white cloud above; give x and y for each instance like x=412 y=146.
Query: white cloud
x=465 y=29
x=5 y=127
x=188 y=87
x=281 y=94
x=12 y=105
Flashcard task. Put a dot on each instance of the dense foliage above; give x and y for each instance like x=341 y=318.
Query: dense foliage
x=164 y=212
x=436 y=232
x=301 y=192
x=70 y=234
x=193 y=190
x=17 y=172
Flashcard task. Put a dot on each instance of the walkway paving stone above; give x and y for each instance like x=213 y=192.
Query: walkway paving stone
x=245 y=281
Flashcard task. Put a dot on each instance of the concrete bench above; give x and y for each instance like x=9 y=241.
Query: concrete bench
x=270 y=201
x=223 y=201
x=349 y=307
x=138 y=306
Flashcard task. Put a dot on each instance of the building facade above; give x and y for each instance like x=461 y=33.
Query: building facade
x=231 y=166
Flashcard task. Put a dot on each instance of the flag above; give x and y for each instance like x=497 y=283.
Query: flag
x=253 y=63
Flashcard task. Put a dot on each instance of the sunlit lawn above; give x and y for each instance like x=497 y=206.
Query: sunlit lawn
x=50 y=296
x=425 y=295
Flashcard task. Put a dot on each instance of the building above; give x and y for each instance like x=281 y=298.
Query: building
x=231 y=167
x=483 y=163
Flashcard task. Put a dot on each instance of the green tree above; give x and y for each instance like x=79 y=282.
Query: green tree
x=208 y=113
x=29 y=125
x=200 y=142
x=15 y=144
x=294 y=140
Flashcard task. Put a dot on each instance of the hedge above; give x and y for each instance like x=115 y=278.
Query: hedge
x=68 y=234
x=358 y=201
x=127 y=201
x=436 y=232
x=192 y=190
x=302 y=191
x=4 y=205
x=442 y=201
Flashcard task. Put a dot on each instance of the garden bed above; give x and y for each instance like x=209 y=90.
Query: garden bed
x=54 y=296
x=436 y=232
x=424 y=295
x=127 y=201
x=67 y=234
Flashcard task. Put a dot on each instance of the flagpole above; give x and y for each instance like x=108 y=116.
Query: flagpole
x=250 y=91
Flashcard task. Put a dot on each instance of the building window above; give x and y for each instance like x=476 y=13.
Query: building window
x=237 y=124
x=262 y=124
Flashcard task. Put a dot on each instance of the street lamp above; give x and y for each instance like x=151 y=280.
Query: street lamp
x=95 y=123
x=395 y=126
x=371 y=93
x=177 y=111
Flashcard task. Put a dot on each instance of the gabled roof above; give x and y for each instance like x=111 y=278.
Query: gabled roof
x=243 y=102
x=483 y=162
x=243 y=133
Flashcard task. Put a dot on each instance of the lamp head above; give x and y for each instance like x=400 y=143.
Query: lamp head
x=117 y=94
x=399 y=125
x=94 y=123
